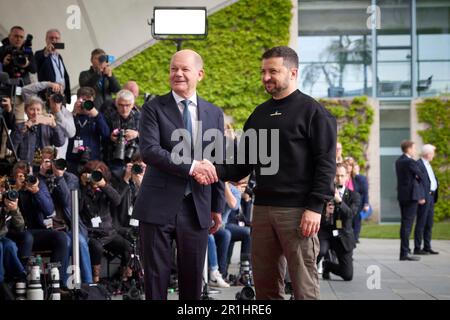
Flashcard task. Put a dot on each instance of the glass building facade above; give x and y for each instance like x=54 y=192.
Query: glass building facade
x=391 y=50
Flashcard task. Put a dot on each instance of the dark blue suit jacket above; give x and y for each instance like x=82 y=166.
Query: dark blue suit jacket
x=162 y=191
x=46 y=72
x=426 y=180
x=409 y=180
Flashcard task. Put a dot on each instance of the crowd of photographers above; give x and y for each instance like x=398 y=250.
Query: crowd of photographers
x=47 y=151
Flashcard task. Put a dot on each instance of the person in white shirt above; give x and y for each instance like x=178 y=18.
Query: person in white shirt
x=425 y=212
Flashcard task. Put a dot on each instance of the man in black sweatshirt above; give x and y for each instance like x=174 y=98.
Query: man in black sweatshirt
x=288 y=202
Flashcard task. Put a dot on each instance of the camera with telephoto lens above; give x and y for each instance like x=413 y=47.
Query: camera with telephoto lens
x=95 y=176
x=87 y=105
x=123 y=150
x=137 y=169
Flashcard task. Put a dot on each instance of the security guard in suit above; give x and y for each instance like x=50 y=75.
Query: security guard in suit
x=336 y=231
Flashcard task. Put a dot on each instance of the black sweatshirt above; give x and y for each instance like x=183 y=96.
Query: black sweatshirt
x=307 y=154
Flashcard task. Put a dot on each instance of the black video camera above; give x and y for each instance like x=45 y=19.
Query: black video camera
x=55 y=97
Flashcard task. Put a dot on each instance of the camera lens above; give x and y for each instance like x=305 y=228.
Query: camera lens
x=88 y=105
x=32 y=180
x=96 y=176
x=12 y=195
x=103 y=58
x=137 y=169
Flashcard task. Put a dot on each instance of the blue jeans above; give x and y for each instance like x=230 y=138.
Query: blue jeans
x=242 y=234
x=222 y=238
x=9 y=261
x=85 y=259
x=212 y=253
x=24 y=241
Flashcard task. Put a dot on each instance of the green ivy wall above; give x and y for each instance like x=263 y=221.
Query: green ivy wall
x=435 y=113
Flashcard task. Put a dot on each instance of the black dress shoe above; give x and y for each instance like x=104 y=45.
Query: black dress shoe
x=431 y=251
x=409 y=258
x=326 y=271
x=421 y=252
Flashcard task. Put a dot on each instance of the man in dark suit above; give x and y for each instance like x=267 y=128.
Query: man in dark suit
x=336 y=232
x=425 y=214
x=410 y=194
x=50 y=65
x=171 y=204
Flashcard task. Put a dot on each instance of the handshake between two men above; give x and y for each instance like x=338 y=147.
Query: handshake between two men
x=204 y=172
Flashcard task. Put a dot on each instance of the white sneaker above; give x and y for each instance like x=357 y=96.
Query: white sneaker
x=216 y=280
x=320 y=266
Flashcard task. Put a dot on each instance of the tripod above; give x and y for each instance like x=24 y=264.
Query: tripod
x=137 y=278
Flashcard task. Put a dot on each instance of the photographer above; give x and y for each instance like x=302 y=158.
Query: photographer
x=50 y=65
x=36 y=133
x=91 y=129
x=97 y=197
x=17 y=56
x=10 y=220
x=124 y=123
x=37 y=209
x=52 y=94
x=128 y=187
x=6 y=112
x=100 y=78
x=336 y=231
x=59 y=183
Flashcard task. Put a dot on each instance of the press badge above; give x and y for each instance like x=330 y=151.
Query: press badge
x=134 y=223
x=335 y=233
x=339 y=224
x=77 y=144
x=48 y=223
x=96 y=222
x=130 y=211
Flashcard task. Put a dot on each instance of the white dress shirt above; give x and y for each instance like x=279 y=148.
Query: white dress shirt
x=433 y=181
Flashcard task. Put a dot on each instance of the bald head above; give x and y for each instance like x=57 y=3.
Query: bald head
x=133 y=87
x=186 y=70
x=189 y=55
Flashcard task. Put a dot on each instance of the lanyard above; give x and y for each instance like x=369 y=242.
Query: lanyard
x=58 y=63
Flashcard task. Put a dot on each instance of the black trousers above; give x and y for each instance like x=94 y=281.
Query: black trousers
x=156 y=251
x=408 y=212
x=424 y=224
x=344 y=267
x=118 y=246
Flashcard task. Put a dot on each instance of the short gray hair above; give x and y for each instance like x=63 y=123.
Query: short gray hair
x=428 y=148
x=125 y=94
x=52 y=30
x=34 y=100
